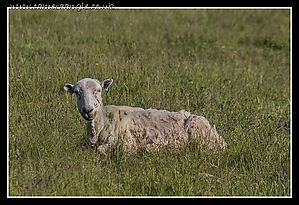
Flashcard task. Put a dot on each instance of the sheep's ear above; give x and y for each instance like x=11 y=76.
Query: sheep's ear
x=69 y=88
x=106 y=83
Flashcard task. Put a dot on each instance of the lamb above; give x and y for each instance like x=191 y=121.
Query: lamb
x=136 y=127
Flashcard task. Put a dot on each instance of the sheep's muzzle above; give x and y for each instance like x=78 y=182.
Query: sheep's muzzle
x=88 y=113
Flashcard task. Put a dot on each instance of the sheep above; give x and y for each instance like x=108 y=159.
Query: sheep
x=136 y=127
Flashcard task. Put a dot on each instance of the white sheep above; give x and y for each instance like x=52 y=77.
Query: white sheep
x=135 y=127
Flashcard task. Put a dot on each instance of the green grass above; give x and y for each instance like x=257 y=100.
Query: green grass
x=230 y=66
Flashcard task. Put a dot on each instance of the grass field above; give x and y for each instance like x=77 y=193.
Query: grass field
x=230 y=66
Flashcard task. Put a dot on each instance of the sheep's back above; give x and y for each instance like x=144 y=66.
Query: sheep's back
x=150 y=127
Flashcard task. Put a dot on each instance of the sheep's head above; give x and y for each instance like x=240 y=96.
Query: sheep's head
x=88 y=92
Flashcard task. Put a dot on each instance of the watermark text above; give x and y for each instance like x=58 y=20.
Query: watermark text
x=78 y=7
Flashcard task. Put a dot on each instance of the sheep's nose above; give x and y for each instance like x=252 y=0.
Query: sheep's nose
x=87 y=110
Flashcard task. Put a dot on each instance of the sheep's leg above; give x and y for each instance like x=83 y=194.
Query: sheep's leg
x=103 y=148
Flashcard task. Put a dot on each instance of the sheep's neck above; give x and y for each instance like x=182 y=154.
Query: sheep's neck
x=94 y=127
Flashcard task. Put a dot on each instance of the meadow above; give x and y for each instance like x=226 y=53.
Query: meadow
x=230 y=66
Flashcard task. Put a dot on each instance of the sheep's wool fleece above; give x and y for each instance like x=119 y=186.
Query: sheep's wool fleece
x=151 y=128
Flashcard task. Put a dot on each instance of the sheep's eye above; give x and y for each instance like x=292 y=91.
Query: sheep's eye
x=77 y=94
x=97 y=91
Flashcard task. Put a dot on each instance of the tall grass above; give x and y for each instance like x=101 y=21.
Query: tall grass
x=230 y=66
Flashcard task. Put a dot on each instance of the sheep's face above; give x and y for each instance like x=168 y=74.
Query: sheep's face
x=88 y=92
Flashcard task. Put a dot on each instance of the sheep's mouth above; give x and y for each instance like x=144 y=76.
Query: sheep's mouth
x=88 y=116
x=88 y=119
